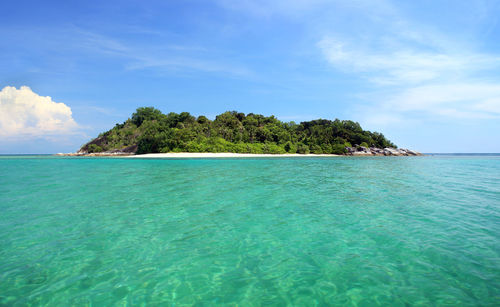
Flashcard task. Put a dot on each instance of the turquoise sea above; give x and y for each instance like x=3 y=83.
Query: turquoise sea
x=381 y=231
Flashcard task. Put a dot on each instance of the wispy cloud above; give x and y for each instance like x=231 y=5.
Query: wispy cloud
x=301 y=8
x=185 y=63
x=411 y=77
x=456 y=100
x=265 y=8
x=411 y=68
x=132 y=52
x=161 y=56
x=405 y=66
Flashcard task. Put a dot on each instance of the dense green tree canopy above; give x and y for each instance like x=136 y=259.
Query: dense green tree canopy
x=149 y=130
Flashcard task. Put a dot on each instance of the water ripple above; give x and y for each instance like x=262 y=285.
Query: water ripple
x=303 y=232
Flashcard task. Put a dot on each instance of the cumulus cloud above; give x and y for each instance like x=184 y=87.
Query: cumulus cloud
x=24 y=113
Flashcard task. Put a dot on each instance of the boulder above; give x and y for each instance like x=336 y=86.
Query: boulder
x=350 y=149
x=391 y=151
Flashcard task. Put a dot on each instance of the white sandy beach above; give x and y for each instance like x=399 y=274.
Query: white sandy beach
x=222 y=155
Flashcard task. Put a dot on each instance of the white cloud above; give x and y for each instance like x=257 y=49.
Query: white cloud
x=408 y=65
x=24 y=113
x=476 y=99
x=416 y=73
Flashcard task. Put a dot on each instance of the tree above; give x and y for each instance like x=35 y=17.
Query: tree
x=94 y=148
x=153 y=131
x=145 y=113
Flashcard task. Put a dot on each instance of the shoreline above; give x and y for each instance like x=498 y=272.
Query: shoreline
x=173 y=155
x=183 y=155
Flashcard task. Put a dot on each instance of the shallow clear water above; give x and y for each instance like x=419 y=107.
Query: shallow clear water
x=249 y=232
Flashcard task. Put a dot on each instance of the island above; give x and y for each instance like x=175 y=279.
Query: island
x=149 y=131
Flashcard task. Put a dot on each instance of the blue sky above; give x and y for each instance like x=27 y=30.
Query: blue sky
x=424 y=73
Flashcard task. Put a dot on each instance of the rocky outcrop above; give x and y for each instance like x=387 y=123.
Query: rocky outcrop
x=98 y=141
x=95 y=154
x=84 y=151
x=129 y=150
x=373 y=151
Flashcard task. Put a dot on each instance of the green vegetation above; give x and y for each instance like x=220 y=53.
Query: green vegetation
x=151 y=131
x=94 y=148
